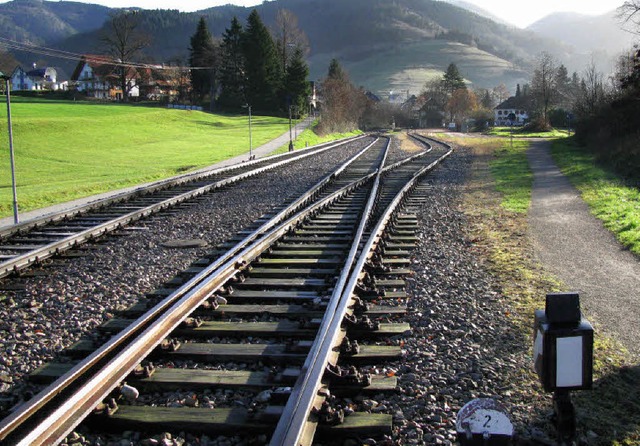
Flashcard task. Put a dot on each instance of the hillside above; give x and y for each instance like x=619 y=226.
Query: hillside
x=586 y=35
x=385 y=45
x=41 y=22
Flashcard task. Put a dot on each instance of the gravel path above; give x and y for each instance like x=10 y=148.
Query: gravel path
x=577 y=249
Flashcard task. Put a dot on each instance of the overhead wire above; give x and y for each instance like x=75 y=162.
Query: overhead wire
x=61 y=54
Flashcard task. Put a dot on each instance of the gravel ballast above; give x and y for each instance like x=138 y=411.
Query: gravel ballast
x=51 y=307
x=462 y=346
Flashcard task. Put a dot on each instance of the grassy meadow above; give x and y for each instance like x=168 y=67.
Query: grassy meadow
x=67 y=150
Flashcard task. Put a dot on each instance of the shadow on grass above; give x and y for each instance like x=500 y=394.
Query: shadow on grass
x=612 y=409
x=609 y=414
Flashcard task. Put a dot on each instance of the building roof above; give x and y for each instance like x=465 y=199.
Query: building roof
x=513 y=102
x=101 y=65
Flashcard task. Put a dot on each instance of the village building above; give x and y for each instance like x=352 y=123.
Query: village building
x=37 y=79
x=513 y=111
x=98 y=77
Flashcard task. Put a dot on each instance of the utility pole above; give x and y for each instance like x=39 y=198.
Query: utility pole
x=12 y=159
x=290 y=133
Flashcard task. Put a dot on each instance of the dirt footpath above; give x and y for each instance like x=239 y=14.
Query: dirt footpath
x=576 y=248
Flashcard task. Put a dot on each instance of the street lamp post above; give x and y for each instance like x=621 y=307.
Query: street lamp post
x=12 y=159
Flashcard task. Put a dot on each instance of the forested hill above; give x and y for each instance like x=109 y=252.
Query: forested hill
x=418 y=34
x=45 y=23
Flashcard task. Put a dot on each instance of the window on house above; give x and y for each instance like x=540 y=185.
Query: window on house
x=499 y=112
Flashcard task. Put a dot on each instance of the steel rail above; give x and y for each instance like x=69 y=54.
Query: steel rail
x=25 y=260
x=295 y=401
x=294 y=427
x=161 y=185
x=68 y=415
x=225 y=267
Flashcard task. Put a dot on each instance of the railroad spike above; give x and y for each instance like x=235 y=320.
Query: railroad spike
x=170 y=345
x=108 y=408
x=329 y=416
x=144 y=371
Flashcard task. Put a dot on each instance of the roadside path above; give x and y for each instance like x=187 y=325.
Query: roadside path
x=258 y=152
x=574 y=246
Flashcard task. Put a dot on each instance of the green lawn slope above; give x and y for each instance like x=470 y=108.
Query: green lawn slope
x=67 y=150
x=406 y=67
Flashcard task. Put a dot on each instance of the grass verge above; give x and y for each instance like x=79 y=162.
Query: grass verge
x=610 y=199
x=519 y=132
x=67 y=150
x=309 y=138
x=610 y=413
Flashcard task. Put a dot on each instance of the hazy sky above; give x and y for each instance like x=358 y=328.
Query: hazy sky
x=520 y=13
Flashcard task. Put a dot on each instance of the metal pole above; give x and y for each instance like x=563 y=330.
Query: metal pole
x=290 y=134
x=13 y=167
x=250 y=142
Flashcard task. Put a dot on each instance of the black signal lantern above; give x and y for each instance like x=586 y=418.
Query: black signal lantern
x=563 y=354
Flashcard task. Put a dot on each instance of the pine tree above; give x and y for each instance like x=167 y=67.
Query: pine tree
x=202 y=53
x=263 y=78
x=232 y=80
x=296 y=84
x=452 y=79
x=336 y=71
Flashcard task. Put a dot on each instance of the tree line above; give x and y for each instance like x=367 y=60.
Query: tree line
x=248 y=67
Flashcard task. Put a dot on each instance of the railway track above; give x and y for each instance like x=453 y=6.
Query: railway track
x=298 y=286
x=31 y=242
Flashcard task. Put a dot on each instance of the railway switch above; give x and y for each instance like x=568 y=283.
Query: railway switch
x=563 y=355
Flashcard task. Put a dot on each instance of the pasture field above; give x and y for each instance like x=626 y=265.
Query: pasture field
x=66 y=150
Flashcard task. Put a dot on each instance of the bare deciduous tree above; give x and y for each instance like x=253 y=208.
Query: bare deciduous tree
x=289 y=37
x=500 y=93
x=343 y=104
x=544 y=84
x=629 y=12
x=124 y=42
x=592 y=91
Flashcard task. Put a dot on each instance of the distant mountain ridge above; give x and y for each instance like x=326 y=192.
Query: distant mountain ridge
x=40 y=22
x=384 y=45
x=478 y=10
x=586 y=33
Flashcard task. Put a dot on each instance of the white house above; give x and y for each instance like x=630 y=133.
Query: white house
x=36 y=79
x=513 y=111
x=98 y=77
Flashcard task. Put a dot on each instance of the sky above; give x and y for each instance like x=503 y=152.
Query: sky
x=519 y=13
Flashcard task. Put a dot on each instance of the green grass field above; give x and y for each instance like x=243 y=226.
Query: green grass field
x=67 y=150
x=610 y=199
